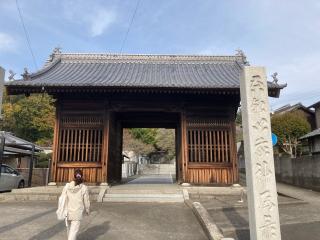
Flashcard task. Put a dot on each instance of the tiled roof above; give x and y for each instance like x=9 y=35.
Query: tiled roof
x=311 y=134
x=16 y=142
x=149 y=71
x=290 y=108
x=315 y=105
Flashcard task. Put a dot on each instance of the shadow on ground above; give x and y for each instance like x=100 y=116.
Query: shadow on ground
x=91 y=233
x=94 y=232
x=50 y=232
x=237 y=222
x=24 y=221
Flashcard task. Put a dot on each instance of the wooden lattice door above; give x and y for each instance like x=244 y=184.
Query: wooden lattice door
x=210 y=151
x=80 y=146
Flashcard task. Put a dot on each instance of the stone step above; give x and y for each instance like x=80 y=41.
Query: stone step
x=46 y=189
x=44 y=193
x=127 y=197
x=215 y=191
x=143 y=191
x=17 y=197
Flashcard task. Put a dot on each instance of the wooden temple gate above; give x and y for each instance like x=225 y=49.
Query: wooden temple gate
x=97 y=95
x=88 y=135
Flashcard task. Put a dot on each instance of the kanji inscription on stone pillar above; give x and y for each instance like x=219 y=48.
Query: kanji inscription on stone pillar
x=260 y=173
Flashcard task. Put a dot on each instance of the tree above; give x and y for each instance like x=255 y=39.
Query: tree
x=146 y=135
x=148 y=140
x=31 y=118
x=289 y=127
x=239 y=117
x=165 y=140
x=131 y=143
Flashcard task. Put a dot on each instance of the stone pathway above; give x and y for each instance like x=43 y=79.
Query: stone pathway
x=153 y=179
x=37 y=221
x=299 y=214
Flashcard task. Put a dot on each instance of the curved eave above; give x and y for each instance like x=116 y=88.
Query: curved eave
x=54 y=90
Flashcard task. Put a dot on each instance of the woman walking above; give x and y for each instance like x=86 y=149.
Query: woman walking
x=77 y=202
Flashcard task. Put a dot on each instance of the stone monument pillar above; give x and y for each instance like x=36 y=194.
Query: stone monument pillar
x=260 y=173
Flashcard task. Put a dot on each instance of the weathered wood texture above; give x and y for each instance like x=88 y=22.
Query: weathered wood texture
x=210 y=151
x=79 y=143
x=88 y=135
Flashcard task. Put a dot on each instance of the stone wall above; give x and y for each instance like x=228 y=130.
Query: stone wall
x=39 y=176
x=301 y=171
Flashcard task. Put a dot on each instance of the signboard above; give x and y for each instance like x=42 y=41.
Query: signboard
x=274 y=139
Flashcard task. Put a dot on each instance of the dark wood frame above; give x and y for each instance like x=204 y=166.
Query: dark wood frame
x=119 y=110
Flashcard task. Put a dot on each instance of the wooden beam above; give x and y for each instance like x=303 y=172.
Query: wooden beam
x=79 y=165
x=209 y=165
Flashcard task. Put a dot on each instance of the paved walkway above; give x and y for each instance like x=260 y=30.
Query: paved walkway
x=152 y=179
x=299 y=219
x=304 y=194
x=37 y=221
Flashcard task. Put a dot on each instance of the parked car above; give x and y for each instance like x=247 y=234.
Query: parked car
x=10 y=178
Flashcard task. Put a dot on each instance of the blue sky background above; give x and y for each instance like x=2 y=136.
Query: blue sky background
x=283 y=35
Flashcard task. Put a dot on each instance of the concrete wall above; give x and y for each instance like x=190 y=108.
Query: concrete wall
x=302 y=171
x=39 y=176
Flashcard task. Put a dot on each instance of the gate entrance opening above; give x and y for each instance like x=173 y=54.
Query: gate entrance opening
x=149 y=156
x=145 y=146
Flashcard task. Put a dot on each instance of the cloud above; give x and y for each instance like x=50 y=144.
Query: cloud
x=7 y=42
x=96 y=17
x=101 y=21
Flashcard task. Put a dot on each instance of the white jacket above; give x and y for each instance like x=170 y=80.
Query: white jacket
x=77 y=197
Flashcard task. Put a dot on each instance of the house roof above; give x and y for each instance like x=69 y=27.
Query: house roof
x=311 y=134
x=16 y=145
x=315 y=105
x=78 y=70
x=290 y=108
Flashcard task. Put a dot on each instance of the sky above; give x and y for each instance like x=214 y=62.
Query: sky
x=282 y=35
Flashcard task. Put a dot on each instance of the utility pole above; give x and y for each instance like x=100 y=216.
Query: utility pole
x=2 y=71
x=2 y=138
x=31 y=166
x=2 y=142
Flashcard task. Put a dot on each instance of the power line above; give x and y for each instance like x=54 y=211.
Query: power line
x=127 y=33
x=26 y=35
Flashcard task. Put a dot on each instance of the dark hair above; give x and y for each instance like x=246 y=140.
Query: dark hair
x=78 y=176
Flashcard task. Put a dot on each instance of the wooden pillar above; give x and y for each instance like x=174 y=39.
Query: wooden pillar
x=184 y=146
x=233 y=151
x=113 y=170
x=55 y=147
x=105 y=147
x=119 y=157
x=178 y=153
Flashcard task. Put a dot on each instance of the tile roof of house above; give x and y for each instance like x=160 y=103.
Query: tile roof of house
x=141 y=71
x=290 y=108
x=315 y=105
x=311 y=134
x=16 y=145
